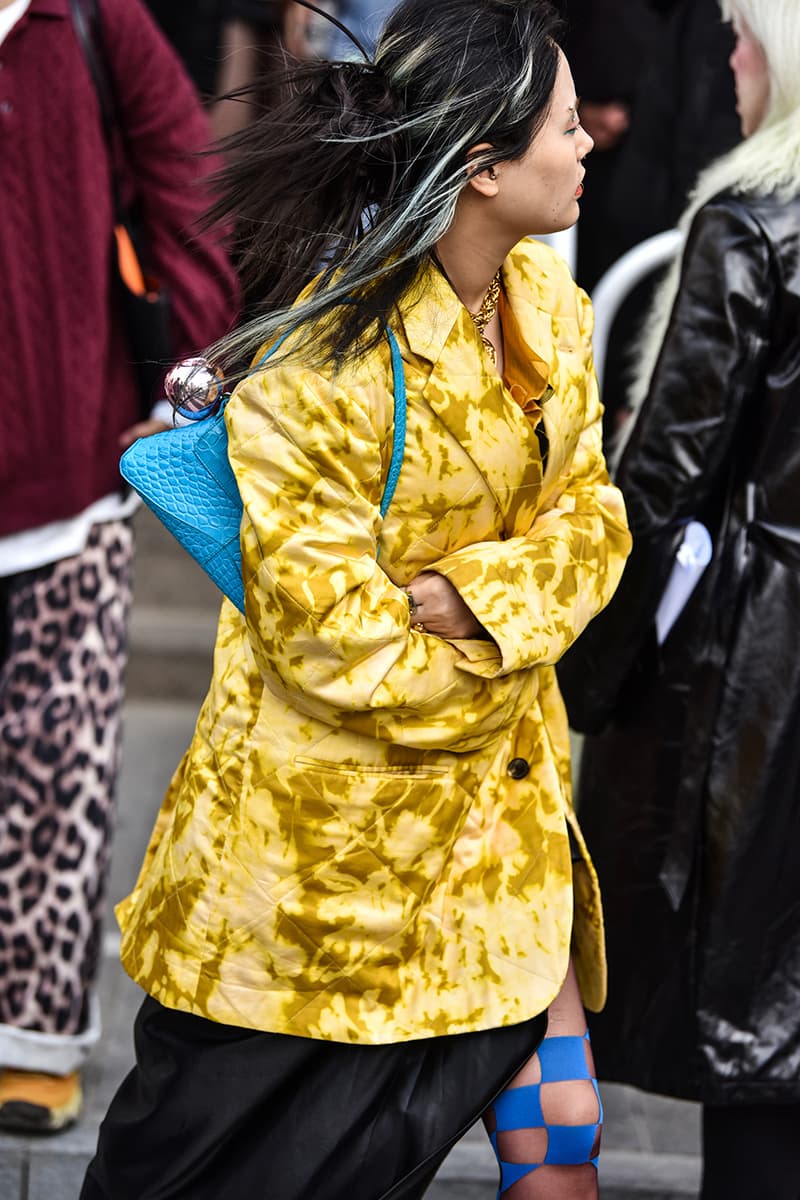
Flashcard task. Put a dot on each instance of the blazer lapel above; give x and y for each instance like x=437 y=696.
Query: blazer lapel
x=558 y=338
x=469 y=398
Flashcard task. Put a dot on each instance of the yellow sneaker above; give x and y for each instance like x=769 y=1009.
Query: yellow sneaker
x=33 y=1102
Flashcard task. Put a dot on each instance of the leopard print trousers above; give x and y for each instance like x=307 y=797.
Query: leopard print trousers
x=63 y=648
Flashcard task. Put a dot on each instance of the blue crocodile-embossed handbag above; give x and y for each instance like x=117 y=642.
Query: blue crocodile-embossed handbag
x=185 y=477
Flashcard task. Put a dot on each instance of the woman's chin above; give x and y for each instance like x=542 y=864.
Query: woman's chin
x=567 y=221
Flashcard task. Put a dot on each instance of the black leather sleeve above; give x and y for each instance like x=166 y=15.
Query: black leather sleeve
x=678 y=458
x=711 y=363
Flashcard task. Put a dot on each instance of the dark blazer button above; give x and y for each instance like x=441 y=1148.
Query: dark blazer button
x=518 y=768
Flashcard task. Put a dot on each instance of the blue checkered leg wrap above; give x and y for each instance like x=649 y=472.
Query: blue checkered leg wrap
x=562 y=1060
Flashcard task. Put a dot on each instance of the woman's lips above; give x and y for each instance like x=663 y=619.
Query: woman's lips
x=579 y=191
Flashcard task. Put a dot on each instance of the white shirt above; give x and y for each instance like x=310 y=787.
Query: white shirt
x=10 y=15
x=31 y=548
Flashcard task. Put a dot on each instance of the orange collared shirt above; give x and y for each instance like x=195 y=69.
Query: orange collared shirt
x=525 y=374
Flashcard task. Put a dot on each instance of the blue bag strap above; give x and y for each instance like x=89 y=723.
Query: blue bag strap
x=398 y=424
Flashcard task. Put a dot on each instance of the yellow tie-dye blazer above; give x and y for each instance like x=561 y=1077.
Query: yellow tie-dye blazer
x=367 y=838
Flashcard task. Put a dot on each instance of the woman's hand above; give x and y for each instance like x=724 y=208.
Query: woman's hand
x=438 y=608
x=296 y=22
x=606 y=124
x=139 y=430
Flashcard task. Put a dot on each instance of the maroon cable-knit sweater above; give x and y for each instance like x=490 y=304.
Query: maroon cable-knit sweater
x=68 y=389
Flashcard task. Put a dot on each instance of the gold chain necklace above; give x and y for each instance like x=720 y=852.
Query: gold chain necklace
x=483 y=316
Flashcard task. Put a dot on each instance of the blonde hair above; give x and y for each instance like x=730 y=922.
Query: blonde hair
x=775 y=24
x=766 y=163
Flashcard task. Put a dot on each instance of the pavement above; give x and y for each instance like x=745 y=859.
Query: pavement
x=650 y=1144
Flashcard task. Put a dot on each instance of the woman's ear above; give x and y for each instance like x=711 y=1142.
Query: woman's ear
x=486 y=181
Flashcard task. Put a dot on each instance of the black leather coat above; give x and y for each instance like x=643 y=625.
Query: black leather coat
x=690 y=798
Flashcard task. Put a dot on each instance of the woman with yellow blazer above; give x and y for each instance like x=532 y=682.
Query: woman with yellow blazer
x=364 y=893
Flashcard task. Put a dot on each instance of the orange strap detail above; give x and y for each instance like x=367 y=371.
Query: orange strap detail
x=129 y=266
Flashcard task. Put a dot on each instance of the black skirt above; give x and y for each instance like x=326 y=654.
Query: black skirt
x=213 y=1112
